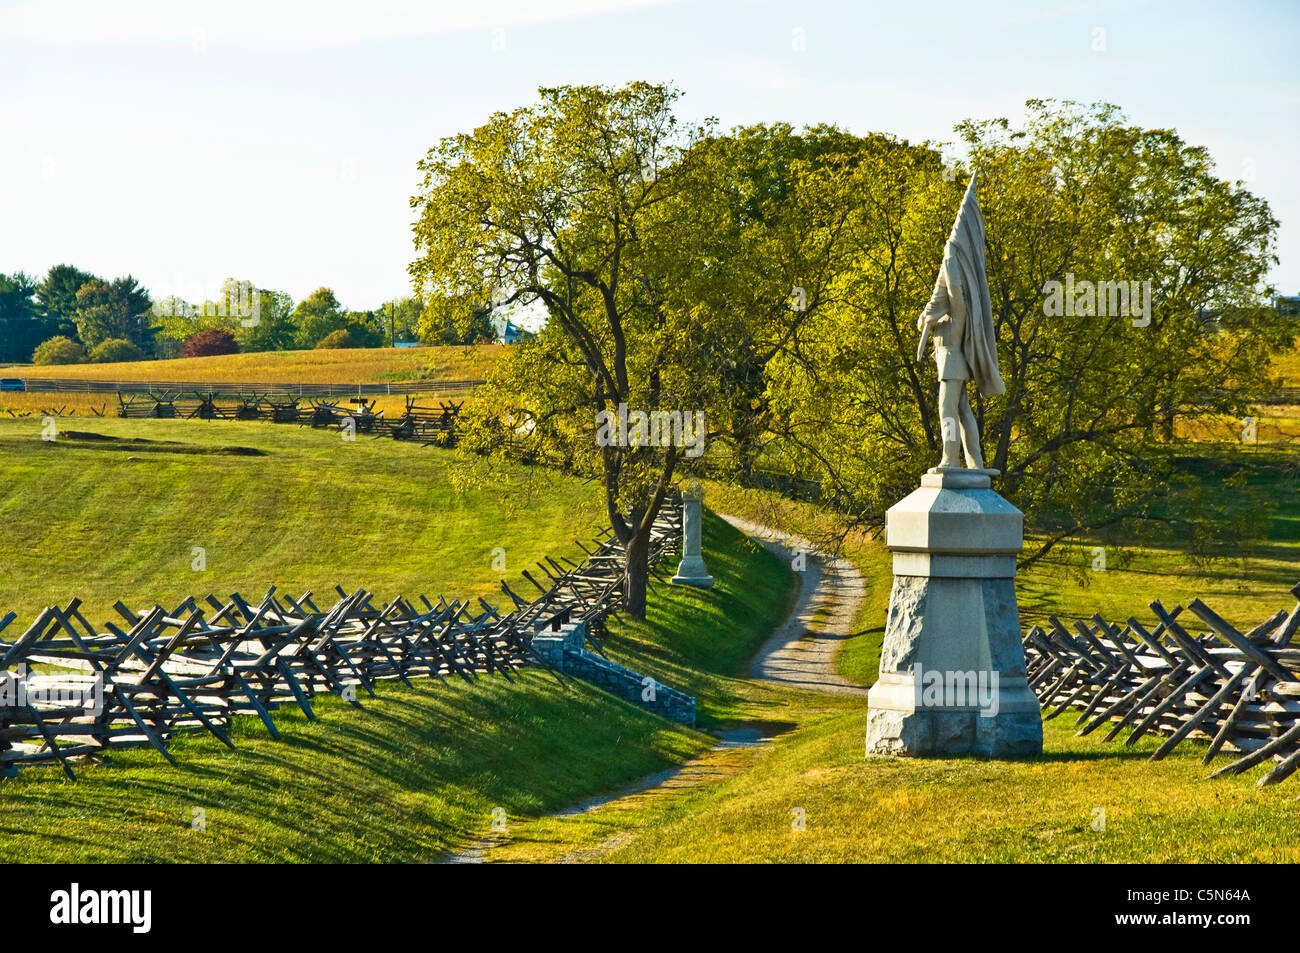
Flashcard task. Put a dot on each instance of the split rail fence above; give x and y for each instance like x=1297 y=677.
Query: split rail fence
x=69 y=691
x=73 y=386
x=424 y=422
x=1194 y=676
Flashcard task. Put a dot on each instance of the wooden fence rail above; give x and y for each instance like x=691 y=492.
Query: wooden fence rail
x=424 y=422
x=1192 y=676
x=78 y=386
x=70 y=691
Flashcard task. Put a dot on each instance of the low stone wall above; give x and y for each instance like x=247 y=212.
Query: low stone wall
x=564 y=649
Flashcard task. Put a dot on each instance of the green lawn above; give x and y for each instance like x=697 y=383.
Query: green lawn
x=416 y=772
x=420 y=770
x=708 y=651
x=103 y=520
x=1040 y=810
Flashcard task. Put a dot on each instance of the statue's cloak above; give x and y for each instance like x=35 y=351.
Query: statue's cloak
x=968 y=289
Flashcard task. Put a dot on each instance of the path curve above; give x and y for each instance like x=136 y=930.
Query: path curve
x=801 y=652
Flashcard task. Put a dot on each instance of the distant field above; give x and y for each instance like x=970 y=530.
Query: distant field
x=344 y=366
x=352 y=366
x=78 y=406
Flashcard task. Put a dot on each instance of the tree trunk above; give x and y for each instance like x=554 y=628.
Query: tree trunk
x=637 y=567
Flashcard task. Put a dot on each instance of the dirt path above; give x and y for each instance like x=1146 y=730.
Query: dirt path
x=800 y=653
x=717 y=763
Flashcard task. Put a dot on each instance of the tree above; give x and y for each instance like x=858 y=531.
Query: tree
x=210 y=343
x=316 y=316
x=57 y=296
x=336 y=339
x=622 y=224
x=59 y=350
x=364 y=329
x=400 y=319
x=258 y=317
x=117 y=309
x=1084 y=436
x=437 y=324
x=115 y=351
x=21 y=327
x=275 y=329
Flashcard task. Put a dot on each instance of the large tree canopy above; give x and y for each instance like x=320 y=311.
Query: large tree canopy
x=117 y=309
x=622 y=223
x=1082 y=435
x=57 y=295
x=771 y=279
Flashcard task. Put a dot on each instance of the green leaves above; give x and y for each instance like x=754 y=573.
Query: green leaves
x=1076 y=197
x=772 y=279
x=116 y=309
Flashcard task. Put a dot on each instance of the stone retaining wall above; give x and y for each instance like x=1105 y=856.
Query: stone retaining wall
x=564 y=650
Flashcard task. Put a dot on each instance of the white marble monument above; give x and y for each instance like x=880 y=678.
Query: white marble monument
x=952 y=669
x=692 y=571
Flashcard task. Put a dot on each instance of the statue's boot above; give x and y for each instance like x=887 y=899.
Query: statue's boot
x=952 y=455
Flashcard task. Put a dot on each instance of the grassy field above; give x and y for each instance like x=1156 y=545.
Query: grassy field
x=331 y=366
x=109 y=519
x=1040 y=810
x=350 y=366
x=1082 y=801
x=415 y=773
x=1287 y=365
x=420 y=770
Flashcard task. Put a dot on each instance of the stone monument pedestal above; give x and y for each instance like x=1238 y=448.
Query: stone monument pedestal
x=952 y=669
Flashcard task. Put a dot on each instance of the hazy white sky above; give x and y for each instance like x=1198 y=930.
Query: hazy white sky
x=185 y=142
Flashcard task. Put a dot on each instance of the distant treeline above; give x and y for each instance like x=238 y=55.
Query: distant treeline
x=71 y=315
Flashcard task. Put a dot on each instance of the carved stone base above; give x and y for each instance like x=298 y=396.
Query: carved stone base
x=952 y=668
x=936 y=734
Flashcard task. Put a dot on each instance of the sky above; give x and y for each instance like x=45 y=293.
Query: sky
x=187 y=142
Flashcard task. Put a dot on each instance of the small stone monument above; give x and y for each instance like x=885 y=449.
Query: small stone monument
x=692 y=571
x=952 y=669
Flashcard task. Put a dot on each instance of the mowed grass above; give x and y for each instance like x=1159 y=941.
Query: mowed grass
x=108 y=520
x=415 y=772
x=1042 y=809
x=702 y=641
x=418 y=771
x=1082 y=801
x=327 y=366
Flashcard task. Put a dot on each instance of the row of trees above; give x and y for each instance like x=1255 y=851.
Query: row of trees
x=771 y=278
x=79 y=315
x=73 y=304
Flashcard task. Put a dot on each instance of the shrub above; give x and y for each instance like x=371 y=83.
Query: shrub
x=210 y=342
x=339 y=338
x=59 y=350
x=116 y=350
